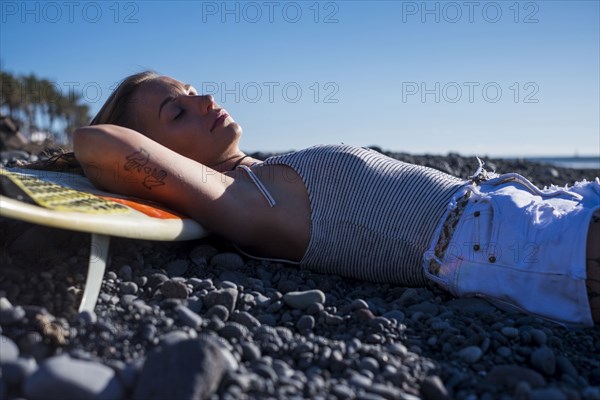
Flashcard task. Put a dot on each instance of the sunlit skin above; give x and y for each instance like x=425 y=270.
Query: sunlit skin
x=196 y=158
x=173 y=114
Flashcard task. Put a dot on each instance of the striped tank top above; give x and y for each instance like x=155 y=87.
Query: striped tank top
x=372 y=217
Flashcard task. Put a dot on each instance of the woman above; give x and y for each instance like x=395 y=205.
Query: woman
x=347 y=210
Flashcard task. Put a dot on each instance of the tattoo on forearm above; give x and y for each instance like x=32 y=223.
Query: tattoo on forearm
x=139 y=161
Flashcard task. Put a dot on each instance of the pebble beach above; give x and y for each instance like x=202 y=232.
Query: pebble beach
x=197 y=320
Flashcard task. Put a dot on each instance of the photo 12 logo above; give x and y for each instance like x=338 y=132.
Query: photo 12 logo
x=471 y=92
x=470 y=11
x=69 y=11
x=270 y=11
x=272 y=92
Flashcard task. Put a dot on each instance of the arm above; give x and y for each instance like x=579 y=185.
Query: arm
x=124 y=161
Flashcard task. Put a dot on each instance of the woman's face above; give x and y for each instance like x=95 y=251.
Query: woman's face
x=174 y=115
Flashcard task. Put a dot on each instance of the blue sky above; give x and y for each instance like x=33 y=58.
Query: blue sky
x=489 y=78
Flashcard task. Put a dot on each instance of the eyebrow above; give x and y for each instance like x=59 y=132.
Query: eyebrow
x=169 y=99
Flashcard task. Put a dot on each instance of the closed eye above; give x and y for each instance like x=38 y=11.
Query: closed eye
x=179 y=114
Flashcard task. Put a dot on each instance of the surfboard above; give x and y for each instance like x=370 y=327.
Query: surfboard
x=70 y=201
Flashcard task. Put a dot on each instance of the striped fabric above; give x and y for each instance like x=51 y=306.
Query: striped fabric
x=372 y=217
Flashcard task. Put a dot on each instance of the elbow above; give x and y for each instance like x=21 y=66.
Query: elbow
x=91 y=141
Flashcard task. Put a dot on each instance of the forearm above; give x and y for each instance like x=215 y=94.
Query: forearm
x=124 y=161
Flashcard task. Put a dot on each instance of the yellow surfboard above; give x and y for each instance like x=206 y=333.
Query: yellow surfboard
x=70 y=201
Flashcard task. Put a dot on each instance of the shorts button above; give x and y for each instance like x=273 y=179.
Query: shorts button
x=477 y=213
x=476 y=247
x=492 y=259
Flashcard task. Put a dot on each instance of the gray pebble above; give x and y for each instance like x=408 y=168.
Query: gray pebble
x=250 y=351
x=218 y=311
x=539 y=337
x=233 y=330
x=470 y=354
x=510 y=332
x=305 y=323
x=177 y=267
x=432 y=388
x=66 y=378
x=359 y=304
x=548 y=393
x=396 y=315
x=227 y=261
x=8 y=350
x=225 y=297
x=174 y=290
x=510 y=375
x=341 y=391
x=246 y=319
x=188 y=317
x=202 y=251
x=543 y=360
x=15 y=372
x=189 y=369
x=302 y=300
x=361 y=381
x=126 y=273
x=370 y=364
x=12 y=315
x=86 y=317
x=129 y=288
x=504 y=351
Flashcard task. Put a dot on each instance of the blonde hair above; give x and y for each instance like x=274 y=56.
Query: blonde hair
x=115 y=111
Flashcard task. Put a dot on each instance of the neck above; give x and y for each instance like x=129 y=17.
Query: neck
x=231 y=163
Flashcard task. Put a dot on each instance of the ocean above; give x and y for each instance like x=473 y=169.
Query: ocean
x=580 y=162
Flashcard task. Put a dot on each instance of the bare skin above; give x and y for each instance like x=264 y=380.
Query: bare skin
x=184 y=160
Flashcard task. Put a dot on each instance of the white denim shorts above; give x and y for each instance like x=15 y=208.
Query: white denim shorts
x=518 y=246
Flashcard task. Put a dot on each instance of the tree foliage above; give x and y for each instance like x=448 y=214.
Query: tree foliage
x=38 y=104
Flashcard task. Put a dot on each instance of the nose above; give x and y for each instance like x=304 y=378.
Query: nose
x=205 y=102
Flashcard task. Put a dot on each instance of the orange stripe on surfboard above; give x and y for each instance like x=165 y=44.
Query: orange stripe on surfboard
x=147 y=209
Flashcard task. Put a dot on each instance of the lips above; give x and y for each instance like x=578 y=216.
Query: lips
x=221 y=117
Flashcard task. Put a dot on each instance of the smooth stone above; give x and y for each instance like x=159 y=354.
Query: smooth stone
x=302 y=300
x=188 y=317
x=358 y=304
x=189 y=369
x=177 y=267
x=470 y=354
x=397 y=349
x=565 y=366
x=305 y=323
x=126 y=273
x=395 y=314
x=129 y=288
x=543 y=360
x=86 y=317
x=8 y=350
x=547 y=393
x=233 y=330
x=227 y=261
x=539 y=337
x=225 y=297
x=426 y=308
x=202 y=251
x=174 y=290
x=62 y=377
x=432 y=388
x=361 y=381
x=15 y=372
x=510 y=332
x=471 y=305
x=246 y=319
x=250 y=351
x=10 y=316
x=510 y=375
x=218 y=311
